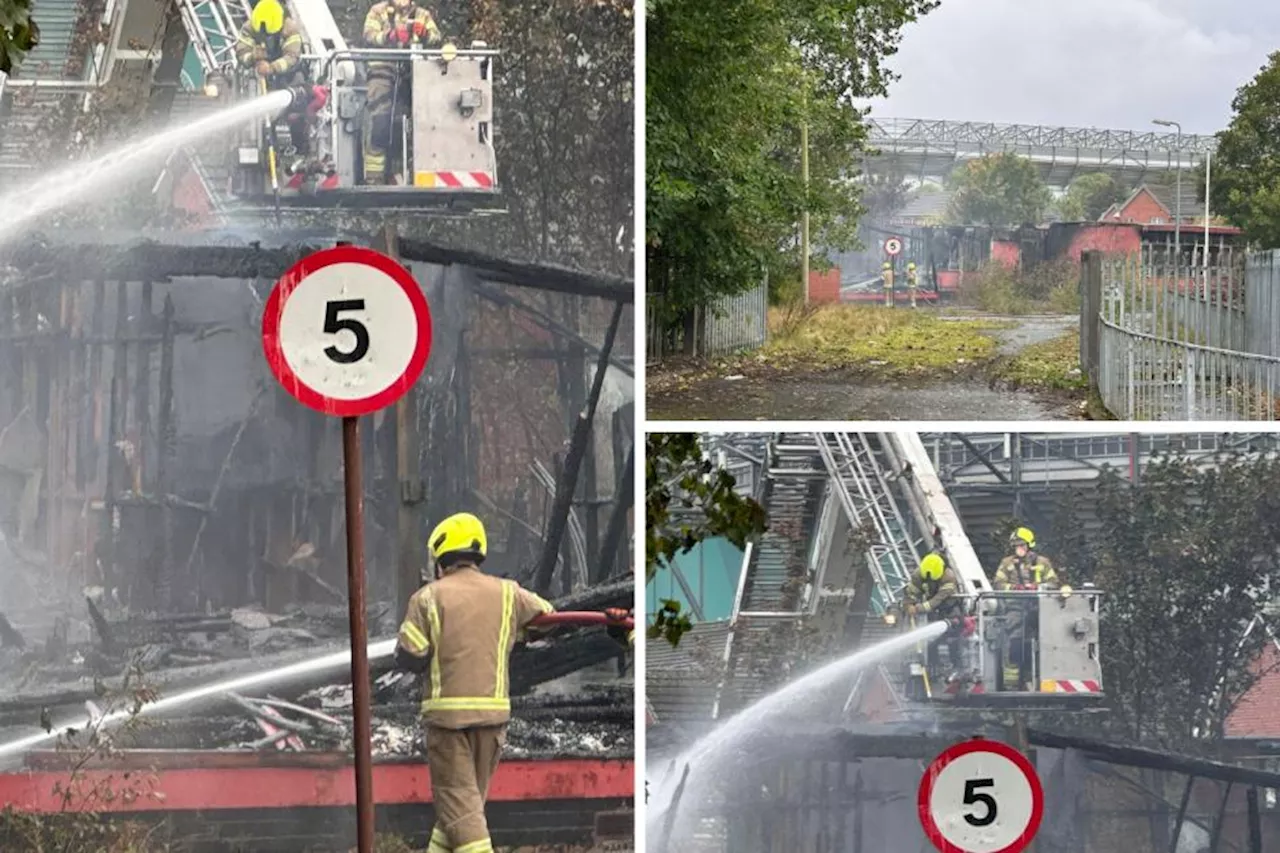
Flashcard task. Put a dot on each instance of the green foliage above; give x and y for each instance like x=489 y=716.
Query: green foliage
x=676 y=472
x=1089 y=196
x=728 y=87
x=1185 y=558
x=1245 y=184
x=998 y=190
x=18 y=33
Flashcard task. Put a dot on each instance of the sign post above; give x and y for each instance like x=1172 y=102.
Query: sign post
x=980 y=796
x=346 y=331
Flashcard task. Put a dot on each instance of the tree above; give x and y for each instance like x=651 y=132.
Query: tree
x=1245 y=183
x=884 y=194
x=675 y=471
x=724 y=109
x=998 y=190
x=1185 y=559
x=1089 y=196
x=18 y=33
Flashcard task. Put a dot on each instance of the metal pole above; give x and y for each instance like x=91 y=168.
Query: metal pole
x=352 y=479
x=804 y=216
x=1177 y=205
x=1208 y=158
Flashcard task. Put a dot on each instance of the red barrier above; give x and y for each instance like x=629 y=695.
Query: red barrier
x=272 y=785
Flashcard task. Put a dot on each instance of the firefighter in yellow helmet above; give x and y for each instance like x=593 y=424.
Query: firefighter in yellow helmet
x=912 y=282
x=1023 y=570
x=461 y=628
x=886 y=275
x=390 y=24
x=934 y=592
x=270 y=44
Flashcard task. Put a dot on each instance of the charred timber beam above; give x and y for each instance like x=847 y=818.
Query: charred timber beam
x=1137 y=756
x=616 y=528
x=497 y=297
x=573 y=461
x=156 y=262
x=522 y=274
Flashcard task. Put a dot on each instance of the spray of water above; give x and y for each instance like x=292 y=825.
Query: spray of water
x=706 y=757
x=280 y=675
x=82 y=180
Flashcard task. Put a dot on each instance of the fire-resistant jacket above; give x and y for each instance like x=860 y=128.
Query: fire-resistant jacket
x=468 y=622
x=1034 y=570
x=384 y=19
x=283 y=50
x=934 y=596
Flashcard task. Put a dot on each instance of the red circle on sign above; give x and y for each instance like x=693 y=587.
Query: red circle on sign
x=965 y=748
x=274 y=352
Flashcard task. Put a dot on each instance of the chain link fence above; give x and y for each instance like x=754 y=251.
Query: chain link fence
x=1184 y=335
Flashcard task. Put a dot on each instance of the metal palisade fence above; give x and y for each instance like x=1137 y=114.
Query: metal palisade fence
x=1182 y=336
x=727 y=324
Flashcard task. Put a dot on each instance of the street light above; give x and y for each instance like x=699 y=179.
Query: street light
x=1177 y=201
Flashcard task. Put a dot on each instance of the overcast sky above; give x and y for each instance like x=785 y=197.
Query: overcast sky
x=1082 y=63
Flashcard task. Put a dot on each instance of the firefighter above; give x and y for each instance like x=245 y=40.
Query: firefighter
x=389 y=24
x=1023 y=570
x=886 y=274
x=934 y=592
x=462 y=627
x=912 y=281
x=270 y=43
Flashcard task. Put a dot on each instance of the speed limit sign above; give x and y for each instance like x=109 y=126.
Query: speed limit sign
x=346 y=331
x=980 y=796
x=893 y=246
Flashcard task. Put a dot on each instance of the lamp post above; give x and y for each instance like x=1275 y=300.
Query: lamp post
x=1177 y=200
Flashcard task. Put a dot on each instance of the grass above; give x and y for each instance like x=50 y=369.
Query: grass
x=893 y=342
x=1052 y=365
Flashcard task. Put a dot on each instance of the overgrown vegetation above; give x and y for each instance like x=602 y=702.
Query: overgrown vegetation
x=1053 y=286
x=892 y=343
x=1187 y=558
x=1050 y=365
x=999 y=191
x=80 y=824
x=705 y=506
x=729 y=86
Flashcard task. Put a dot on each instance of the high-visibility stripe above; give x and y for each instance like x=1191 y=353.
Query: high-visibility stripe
x=1069 y=685
x=439 y=842
x=504 y=637
x=466 y=703
x=414 y=639
x=482 y=846
x=545 y=605
x=433 y=620
x=453 y=180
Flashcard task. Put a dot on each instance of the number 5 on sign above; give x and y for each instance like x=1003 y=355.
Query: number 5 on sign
x=346 y=331
x=980 y=796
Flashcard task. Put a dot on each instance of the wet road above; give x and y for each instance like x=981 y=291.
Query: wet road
x=815 y=399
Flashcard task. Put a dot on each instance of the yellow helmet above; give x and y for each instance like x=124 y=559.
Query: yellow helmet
x=887 y=265
x=911 y=265
x=932 y=566
x=1023 y=534
x=459 y=536
x=268 y=17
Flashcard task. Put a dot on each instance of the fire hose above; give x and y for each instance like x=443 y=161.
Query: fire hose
x=583 y=617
